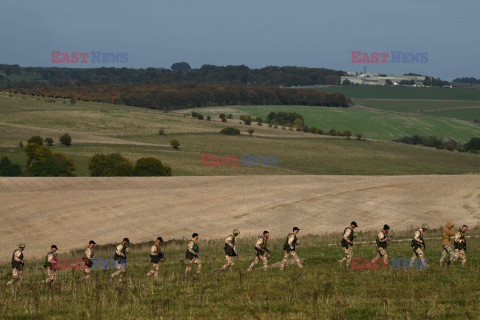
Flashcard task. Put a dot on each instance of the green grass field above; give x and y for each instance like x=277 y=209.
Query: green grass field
x=365 y=92
x=371 y=124
x=321 y=291
x=464 y=114
x=415 y=106
x=104 y=128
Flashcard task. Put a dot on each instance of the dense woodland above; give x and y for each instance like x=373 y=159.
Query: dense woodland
x=172 y=97
x=28 y=77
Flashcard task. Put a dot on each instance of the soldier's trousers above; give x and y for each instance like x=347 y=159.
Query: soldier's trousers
x=17 y=275
x=286 y=255
x=257 y=259
x=462 y=255
x=120 y=271
x=51 y=276
x=417 y=253
x=230 y=262
x=348 y=255
x=382 y=254
x=448 y=255
x=189 y=265
x=88 y=273
x=154 y=270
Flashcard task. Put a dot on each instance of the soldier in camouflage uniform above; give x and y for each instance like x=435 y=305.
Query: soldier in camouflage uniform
x=460 y=245
x=17 y=265
x=261 y=252
x=156 y=256
x=88 y=255
x=192 y=255
x=448 y=255
x=382 y=244
x=347 y=243
x=289 y=247
x=230 y=251
x=50 y=264
x=120 y=258
x=417 y=244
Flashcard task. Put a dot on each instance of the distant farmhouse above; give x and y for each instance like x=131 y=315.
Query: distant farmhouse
x=376 y=79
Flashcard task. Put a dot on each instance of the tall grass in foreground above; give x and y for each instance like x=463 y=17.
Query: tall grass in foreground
x=322 y=291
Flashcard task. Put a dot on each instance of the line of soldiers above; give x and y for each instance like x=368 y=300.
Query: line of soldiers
x=450 y=253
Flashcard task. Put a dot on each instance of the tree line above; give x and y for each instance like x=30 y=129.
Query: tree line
x=434 y=142
x=208 y=74
x=172 y=97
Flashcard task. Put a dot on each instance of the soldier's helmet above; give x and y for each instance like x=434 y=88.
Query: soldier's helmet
x=425 y=226
x=236 y=231
x=21 y=245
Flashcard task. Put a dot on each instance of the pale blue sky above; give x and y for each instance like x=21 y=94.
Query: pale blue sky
x=258 y=33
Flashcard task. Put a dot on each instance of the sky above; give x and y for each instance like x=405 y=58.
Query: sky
x=259 y=33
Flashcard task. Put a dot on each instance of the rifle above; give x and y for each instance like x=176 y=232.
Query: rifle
x=424 y=246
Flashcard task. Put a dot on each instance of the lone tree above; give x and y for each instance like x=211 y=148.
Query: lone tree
x=473 y=144
x=230 y=131
x=65 y=139
x=175 y=144
x=36 y=139
x=180 y=66
x=148 y=167
x=49 y=142
x=251 y=131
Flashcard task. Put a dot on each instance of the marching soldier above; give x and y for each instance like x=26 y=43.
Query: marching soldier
x=261 y=252
x=382 y=243
x=347 y=243
x=460 y=245
x=417 y=244
x=192 y=255
x=447 y=254
x=289 y=248
x=230 y=251
x=50 y=265
x=156 y=256
x=120 y=258
x=88 y=255
x=17 y=265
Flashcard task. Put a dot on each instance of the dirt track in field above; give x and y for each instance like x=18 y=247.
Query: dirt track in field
x=70 y=211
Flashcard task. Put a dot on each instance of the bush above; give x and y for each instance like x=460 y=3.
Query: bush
x=248 y=121
x=259 y=124
x=473 y=145
x=209 y=118
x=149 y=167
x=49 y=142
x=222 y=115
x=230 y=131
x=20 y=144
x=347 y=133
x=161 y=131
x=359 y=136
x=332 y=132
x=65 y=139
x=8 y=169
x=175 y=144
x=103 y=165
x=194 y=114
x=73 y=101
x=200 y=117
x=230 y=116
x=224 y=119
x=58 y=165
x=36 y=139
x=250 y=131
x=124 y=169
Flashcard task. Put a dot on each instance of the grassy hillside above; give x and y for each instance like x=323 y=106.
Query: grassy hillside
x=321 y=291
x=366 y=92
x=372 y=124
x=415 y=106
x=469 y=114
x=97 y=128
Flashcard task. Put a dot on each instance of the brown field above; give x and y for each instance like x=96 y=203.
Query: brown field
x=71 y=211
